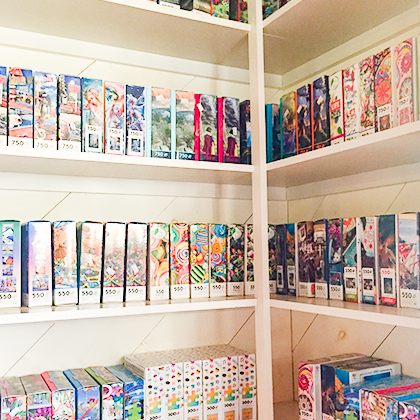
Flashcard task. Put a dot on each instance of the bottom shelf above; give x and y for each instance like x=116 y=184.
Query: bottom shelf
x=286 y=411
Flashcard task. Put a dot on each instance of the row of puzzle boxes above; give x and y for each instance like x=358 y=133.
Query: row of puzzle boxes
x=205 y=383
x=112 y=393
x=354 y=386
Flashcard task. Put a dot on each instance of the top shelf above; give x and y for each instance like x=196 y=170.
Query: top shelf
x=138 y=25
x=305 y=29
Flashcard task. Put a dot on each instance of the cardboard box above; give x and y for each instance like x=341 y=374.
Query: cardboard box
x=306 y=258
x=136 y=262
x=199 y=260
x=21 y=108
x=272 y=262
x=161 y=123
x=185 y=114
x=136 y=121
x=87 y=393
x=89 y=275
x=321 y=259
x=3 y=106
x=92 y=115
x=303 y=119
x=245 y=132
x=336 y=92
x=115 y=118
x=36 y=264
x=350 y=260
x=206 y=145
x=273 y=132
x=367 y=96
x=280 y=258
x=235 y=259
x=320 y=112
x=249 y=252
x=12 y=399
x=288 y=125
x=65 y=290
x=335 y=259
x=247 y=387
x=69 y=113
x=351 y=88
x=218 y=235
x=228 y=131
x=38 y=397
x=180 y=261
x=291 y=258
x=45 y=111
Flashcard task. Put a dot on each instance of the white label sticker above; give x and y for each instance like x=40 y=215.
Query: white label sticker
x=305 y=289
x=272 y=286
x=217 y=289
x=3 y=141
x=9 y=300
x=234 y=131
x=135 y=293
x=249 y=288
x=280 y=277
x=93 y=138
x=350 y=280
x=65 y=296
x=336 y=292
x=22 y=143
x=136 y=143
x=200 y=107
x=40 y=298
x=113 y=294
x=235 y=289
x=321 y=290
x=159 y=293
x=69 y=146
x=180 y=291
x=409 y=298
x=368 y=282
x=200 y=290
x=89 y=295
x=45 y=144
x=291 y=277
x=388 y=285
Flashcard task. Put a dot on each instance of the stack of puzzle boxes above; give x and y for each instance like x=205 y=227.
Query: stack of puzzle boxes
x=195 y=384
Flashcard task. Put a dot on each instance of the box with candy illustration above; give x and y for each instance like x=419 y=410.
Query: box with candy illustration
x=199 y=260
x=217 y=259
x=180 y=260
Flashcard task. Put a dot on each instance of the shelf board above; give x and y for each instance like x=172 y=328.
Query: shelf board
x=138 y=25
x=128 y=167
x=401 y=317
x=390 y=148
x=74 y=312
x=305 y=29
x=286 y=410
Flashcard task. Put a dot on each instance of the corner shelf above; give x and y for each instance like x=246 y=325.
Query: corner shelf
x=128 y=167
x=401 y=317
x=386 y=149
x=304 y=29
x=74 y=312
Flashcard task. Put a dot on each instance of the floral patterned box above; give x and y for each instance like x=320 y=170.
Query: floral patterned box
x=38 y=398
x=12 y=399
x=115 y=118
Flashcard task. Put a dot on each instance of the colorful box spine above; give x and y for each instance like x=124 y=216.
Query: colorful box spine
x=350 y=260
x=235 y=255
x=321 y=259
x=159 y=134
x=367 y=96
x=276 y=132
x=336 y=93
x=38 y=397
x=403 y=83
x=92 y=115
x=180 y=261
x=245 y=132
x=220 y=8
x=135 y=121
x=158 y=281
x=247 y=387
x=174 y=393
x=280 y=258
x=367 y=243
x=212 y=388
x=306 y=258
x=45 y=111
x=21 y=108
x=113 y=262
x=205 y=133
x=230 y=388
x=36 y=264
x=288 y=125
x=228 y=130
x=335 y=258
x=87 y=393
x=10 y=277
x=291 y=258
x=3 y=106
x=204 y=6
x=269 y=7
x=387 y=258
x=408 y=260
x=199 y=260
x=62 y=395
x=218 y=235
x=352 y=91
x=115 y=118
x=65 y=290
x=384 y=90
x=12 y=399
x=154 y=383
x=249 y=252
x=185 y=114
x=373 y=405
x=133 y=392
x=320 y=112
x=136 y=262
x=193 y=390
x=303 y=119
x=272 y=131
x=272 y=262
x=69 y=113
x=89 y=274
x=112 y=394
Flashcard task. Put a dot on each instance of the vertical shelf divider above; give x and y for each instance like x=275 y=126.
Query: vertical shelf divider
x=260 y=216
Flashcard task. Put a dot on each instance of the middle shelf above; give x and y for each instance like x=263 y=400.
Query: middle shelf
x=401 y=317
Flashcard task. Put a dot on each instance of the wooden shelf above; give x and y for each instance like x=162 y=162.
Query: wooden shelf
x=128 y=167
x=401 y=317
x=286 y=411
x=74 y=312
x=305 y=29
x=138 y=25
x=395 y=147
